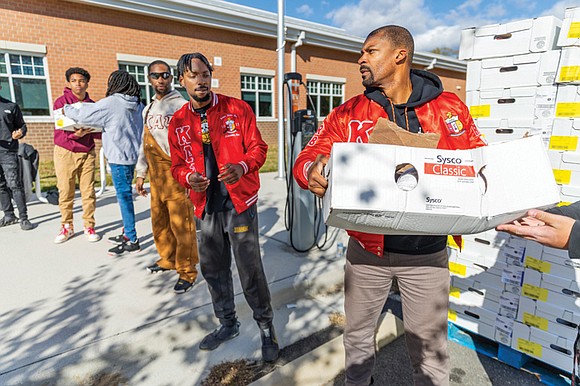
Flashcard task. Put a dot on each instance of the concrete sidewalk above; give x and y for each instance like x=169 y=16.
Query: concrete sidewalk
x=70 y=314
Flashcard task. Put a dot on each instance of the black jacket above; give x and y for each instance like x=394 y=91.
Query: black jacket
x=10 y=120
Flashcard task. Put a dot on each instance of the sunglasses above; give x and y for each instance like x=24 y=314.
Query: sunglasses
x=157 y=75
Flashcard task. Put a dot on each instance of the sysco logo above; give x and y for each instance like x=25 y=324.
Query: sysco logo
x=448 y=160
x=432 y=200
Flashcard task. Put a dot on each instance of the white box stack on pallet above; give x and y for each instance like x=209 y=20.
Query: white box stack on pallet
x=533 y=88
x=564 y=143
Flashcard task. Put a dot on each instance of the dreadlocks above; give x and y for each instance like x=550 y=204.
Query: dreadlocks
x=184 y=63
x=121 y=82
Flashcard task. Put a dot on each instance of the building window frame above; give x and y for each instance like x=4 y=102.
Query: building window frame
x=147 y=92
x=21 y=62
x=326 y=92
x=258 y=84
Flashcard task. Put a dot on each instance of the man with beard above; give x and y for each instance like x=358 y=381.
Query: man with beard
x=415 y=101
x=172 y=219
x=216 y=152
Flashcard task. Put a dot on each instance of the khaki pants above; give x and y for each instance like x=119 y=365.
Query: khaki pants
x=172 y=219
x=424 y=286
x=68 y=166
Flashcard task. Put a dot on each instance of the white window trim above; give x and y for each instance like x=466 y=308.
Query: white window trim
x=324 y=78
x=265 y=73
x=257 y=71
x=18 y=48
x=138 y=59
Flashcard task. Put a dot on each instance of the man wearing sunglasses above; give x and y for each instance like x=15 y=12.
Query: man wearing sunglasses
x=171 y=210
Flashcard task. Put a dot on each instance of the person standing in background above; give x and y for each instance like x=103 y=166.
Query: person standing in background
x=120 y=114
x=12 y=128
x=75 y=155
x=172 y=219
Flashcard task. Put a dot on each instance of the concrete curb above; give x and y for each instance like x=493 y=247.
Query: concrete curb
x=315 y=367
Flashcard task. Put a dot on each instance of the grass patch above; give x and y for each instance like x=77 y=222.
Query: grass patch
x=48 y=175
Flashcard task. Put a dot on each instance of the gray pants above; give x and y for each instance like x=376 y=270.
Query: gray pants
x=424 y=286
x=221 y=233
x=11 y=186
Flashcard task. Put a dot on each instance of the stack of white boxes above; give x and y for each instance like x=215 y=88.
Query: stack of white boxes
x=523 y=78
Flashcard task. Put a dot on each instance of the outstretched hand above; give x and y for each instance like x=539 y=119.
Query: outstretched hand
x=545 y=228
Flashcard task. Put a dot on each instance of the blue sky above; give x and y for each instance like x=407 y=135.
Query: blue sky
x=433 y=23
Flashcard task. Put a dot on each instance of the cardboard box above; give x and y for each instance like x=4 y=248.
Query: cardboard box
x=518 y=102
x=446 y=191
x=565 y=135
x=570 y=33
x=508 y=129
x=62 y=122
x=538 y=69
x=549 y=317
x=515 y=38
x=549 y=348
x=471 y=323
x=569 y=194
x=503 y=330
x=568 y=101
x=569 y=67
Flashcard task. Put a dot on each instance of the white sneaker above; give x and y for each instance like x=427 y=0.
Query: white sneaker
x=91 y=235
x=66 y=232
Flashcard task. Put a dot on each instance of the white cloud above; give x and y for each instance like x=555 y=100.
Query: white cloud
x=558 y=8
x=305 y=10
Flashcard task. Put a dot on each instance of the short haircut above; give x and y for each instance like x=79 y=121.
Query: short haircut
x=156 y=62
x=399 y=37
x=184 y=62
x=77 y=70
x=121 y=82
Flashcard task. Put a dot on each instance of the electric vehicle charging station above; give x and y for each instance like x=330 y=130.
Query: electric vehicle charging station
x=302 y=215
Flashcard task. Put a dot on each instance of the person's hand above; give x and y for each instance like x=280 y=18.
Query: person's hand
x=230 y=173
x=545 y=228
x=82 y=131
x=317 y=183
x=198 y=182
x=139 y=186
x=17 y=134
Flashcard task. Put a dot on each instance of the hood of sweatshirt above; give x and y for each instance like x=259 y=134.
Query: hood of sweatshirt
x=130 y=102
x=426 y=87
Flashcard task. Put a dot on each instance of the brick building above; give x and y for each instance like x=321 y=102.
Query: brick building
x=40 y=39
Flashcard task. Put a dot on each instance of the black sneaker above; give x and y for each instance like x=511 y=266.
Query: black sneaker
x=5 y=221
x=182 y=286
x=270 y=348
x=220 y=335
x=26 y=225
x=156 y=268
x=118 y=240
x=125 y=247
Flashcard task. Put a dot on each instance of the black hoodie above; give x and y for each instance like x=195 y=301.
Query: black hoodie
x=426 y=87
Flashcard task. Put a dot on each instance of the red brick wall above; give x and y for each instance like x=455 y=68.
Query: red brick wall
x=91 y=37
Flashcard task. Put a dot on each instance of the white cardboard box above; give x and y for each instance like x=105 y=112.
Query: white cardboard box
x=447 y=192
x=565 y=134
x=515 y=38
x=537 y=69
x=529 y=102
x=569 y=194
x=508 y=129
x=540 y=344
x=569 y=67
x=62 y=122
x=570 y=33
x=568 y=101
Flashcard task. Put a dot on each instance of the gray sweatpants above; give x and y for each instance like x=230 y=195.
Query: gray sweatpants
x=424 y=286
x=221 y=233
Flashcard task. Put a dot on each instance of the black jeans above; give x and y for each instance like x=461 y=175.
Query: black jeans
x=11 y=185
x=221 y=234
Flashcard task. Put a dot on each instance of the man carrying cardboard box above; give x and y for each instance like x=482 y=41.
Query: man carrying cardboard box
x=415 y=101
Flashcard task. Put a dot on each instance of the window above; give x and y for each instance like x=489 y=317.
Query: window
x=257 y=91
x=23 y=80
x=139 y=71
x=325 y=96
